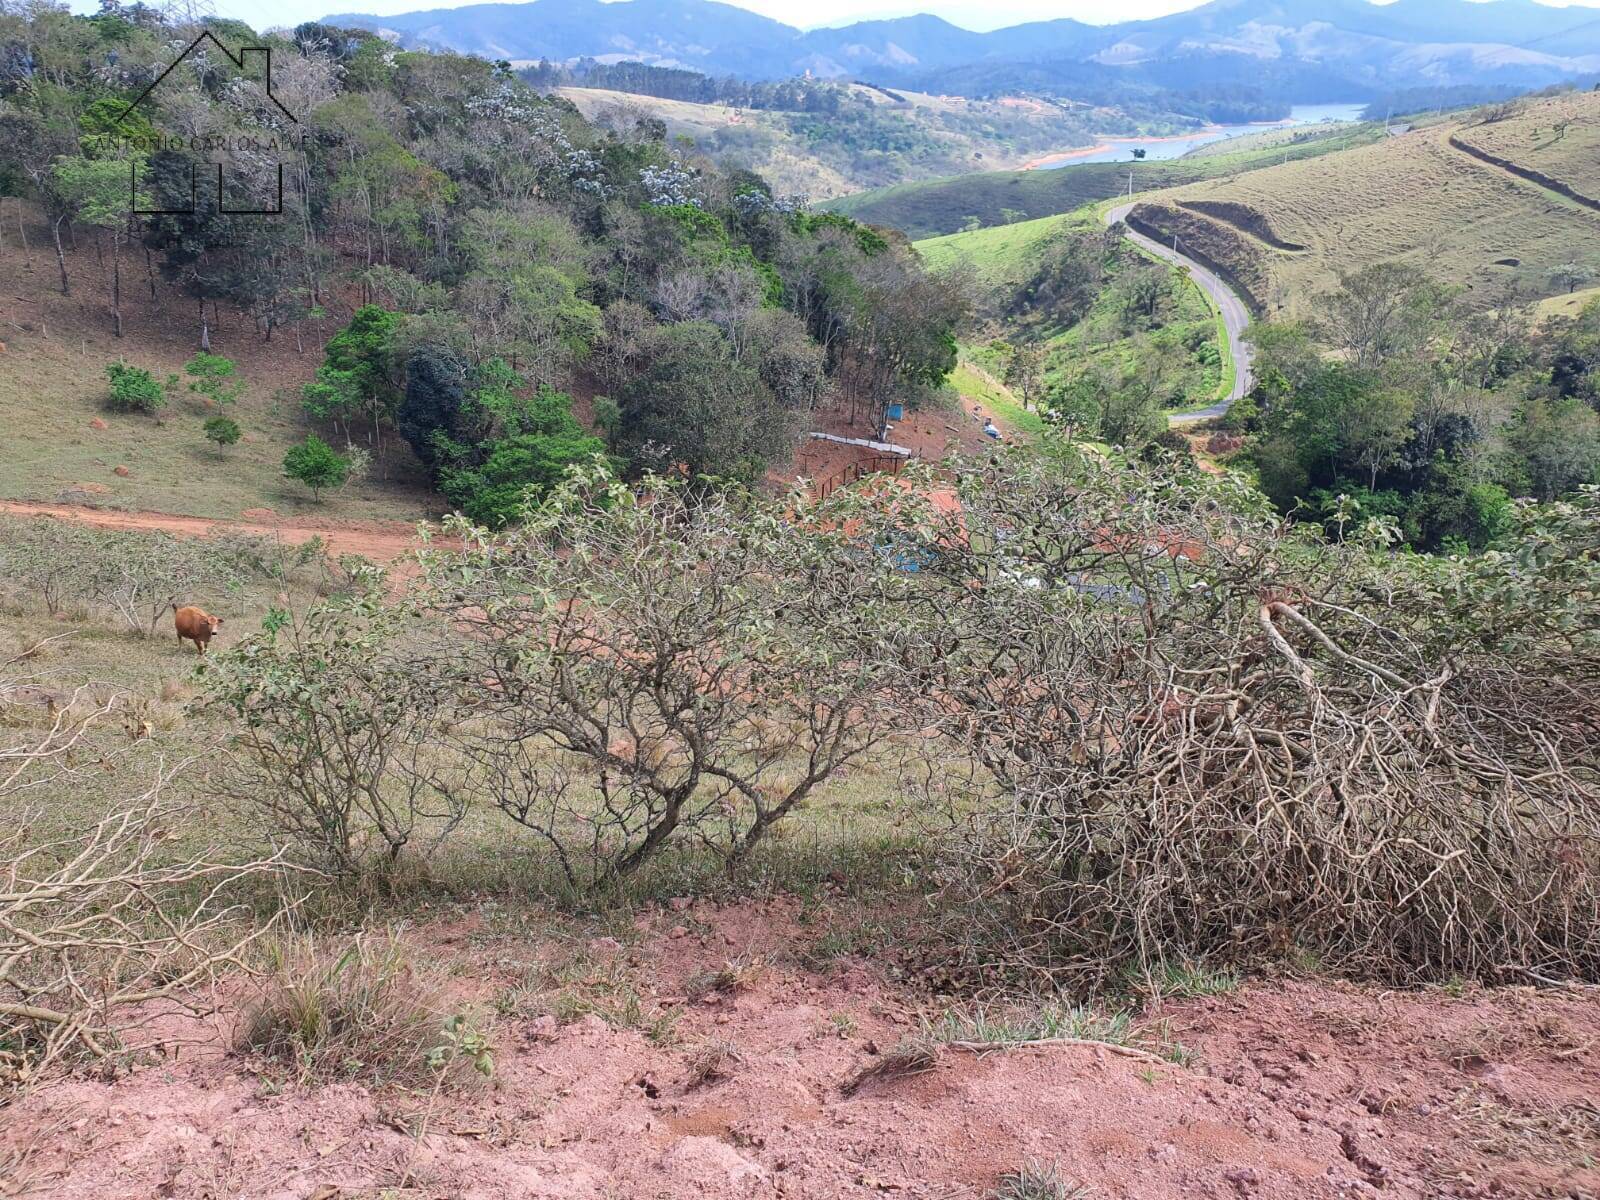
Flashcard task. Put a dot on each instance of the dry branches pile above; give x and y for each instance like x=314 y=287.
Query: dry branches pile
x=106 y=931
x=1206 y=737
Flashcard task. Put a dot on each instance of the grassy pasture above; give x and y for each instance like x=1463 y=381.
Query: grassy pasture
x=1415 y=198
x=1557 y=136
x=53 y=354
x=1001 y=255
x=1569 y=305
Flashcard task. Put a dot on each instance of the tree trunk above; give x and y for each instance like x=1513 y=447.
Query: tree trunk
x=150 y=272
x=116 y=284
x=205 y=329
x=61 y=256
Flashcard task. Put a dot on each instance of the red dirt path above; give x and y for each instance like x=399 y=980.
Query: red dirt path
x=381 y=541
x=1299 y=1089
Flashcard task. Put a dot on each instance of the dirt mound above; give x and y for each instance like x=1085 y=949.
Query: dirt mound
x=1296 y=1089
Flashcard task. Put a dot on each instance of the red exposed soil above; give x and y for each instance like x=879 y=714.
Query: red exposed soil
x=1300 y=1089
x=931 y=434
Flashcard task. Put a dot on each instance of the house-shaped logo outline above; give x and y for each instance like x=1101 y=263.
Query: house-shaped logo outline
x=238 y=61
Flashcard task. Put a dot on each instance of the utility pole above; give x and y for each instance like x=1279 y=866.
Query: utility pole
x=1130 y=182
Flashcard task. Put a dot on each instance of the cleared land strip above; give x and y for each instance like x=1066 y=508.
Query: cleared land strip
x=1243 y=218
x=1528 y=173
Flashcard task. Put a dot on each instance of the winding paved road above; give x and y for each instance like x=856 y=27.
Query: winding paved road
x=1235 y=316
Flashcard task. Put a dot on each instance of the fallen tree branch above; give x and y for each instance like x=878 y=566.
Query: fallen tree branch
x=1114 y=1047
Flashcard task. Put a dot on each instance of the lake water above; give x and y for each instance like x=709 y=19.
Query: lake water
x=1121 y=149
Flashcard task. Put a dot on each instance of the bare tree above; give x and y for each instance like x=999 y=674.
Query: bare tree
x=637 y=671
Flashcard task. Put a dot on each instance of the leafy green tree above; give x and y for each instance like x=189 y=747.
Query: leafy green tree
x=1133 y=407
x=1456 y=511
x=1025 y=370
x=432 y=414
x=1373 y=428
x=96 y=191
x=213 y=378
x=542 y=441
x=316 y=464
x=529 y=269
x=356 y=378
x=1558 y=443
x=133 y=389
x=1381 y=312
x=221 y=431
x=694 y=408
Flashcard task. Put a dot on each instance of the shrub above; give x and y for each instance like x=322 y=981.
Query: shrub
x=542 y=440
x=721 y=672
x=316 y=464
x=332 y=747
x=133 y=389
x=213 y=378
x=221 y=431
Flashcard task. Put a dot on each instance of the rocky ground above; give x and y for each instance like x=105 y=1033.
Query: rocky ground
x=726 y=1052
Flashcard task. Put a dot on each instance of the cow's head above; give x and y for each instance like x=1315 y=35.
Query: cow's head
x=214 y=623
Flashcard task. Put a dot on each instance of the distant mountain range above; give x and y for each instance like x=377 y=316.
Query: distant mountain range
x=1318 y=49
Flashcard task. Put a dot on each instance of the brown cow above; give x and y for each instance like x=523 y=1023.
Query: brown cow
x=196 y=624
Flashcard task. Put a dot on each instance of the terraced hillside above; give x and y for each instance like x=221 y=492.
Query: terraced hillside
x=1558 y=138
x=934 y=207
x=1506 y=195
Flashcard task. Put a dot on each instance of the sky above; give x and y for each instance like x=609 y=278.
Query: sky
x=979 y=15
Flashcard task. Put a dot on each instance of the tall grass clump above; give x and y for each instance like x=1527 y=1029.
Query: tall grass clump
x=361 y=1012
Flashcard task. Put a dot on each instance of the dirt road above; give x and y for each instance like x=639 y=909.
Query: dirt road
x=1235 y=316
x=382 y=542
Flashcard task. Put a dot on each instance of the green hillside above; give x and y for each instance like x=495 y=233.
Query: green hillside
x=1000 y=254
x=1120 y=339
x=938 y=206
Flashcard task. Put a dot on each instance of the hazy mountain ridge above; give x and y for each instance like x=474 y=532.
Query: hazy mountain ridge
x=1350 y=42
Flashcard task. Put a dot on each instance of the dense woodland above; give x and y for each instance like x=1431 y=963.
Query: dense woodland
x=1401 y=402
x=499 y=254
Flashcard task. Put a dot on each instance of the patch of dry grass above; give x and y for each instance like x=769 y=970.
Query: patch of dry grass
x=366 y=1010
